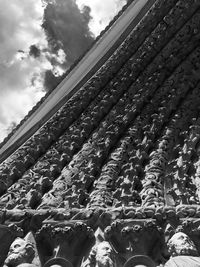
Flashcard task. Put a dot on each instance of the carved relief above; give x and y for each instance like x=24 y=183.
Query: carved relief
x=69 y=241
x=131 y=238
x=22 y=252
x=101 y=255
x=122 y=154
x=183 y=251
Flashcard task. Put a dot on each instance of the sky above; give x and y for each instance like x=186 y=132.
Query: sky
x=39 y=40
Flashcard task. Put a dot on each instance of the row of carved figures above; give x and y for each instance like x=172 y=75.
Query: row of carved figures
x=23 y=253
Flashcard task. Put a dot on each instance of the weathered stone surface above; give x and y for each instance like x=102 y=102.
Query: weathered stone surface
x=122 y=155
x=22 y=252
x=101 y=255
x=183 y=251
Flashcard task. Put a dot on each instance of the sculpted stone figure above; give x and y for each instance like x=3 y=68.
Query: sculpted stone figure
x=21 y=254
x=101 y=255
x=183 y=252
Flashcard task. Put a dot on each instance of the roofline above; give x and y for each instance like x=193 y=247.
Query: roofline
x=102 y=49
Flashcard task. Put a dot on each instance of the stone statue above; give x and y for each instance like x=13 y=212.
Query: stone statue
x=21 y=254
x=101 y=255
x=183 y=252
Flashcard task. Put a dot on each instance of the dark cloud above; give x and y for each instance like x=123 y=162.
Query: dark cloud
x=33 y=58
x=34 y=51
x=51 y=81
x=66 y=27
x=11 y=127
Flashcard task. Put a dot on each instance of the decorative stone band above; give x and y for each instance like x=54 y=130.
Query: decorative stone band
x=130 y=245
x=36 y=217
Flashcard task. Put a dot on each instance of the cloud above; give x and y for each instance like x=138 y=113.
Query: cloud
x=20 y=72
x=68 y=35
x=101 y=13
x=20 y=26
x=71 y=27
x=14 y=106
x=67 y=28
x=39 y=40
x=34 y=51
x=33 y=59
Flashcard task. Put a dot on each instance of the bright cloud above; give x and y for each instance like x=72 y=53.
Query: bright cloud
x=14 y=106
x=20 y=74
x=25 y=54
x=20 y=26
x=101 y=12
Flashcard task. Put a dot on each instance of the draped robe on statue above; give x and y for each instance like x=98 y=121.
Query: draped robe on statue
x=183 y=261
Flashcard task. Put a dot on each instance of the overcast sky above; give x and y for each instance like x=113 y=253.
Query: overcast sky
x=39 y=40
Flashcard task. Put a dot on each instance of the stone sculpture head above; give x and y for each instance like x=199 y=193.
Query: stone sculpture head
x=181 y=244
x=102 y=255
x=21 y=252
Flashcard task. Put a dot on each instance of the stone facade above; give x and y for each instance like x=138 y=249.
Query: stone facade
x=113 y=178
